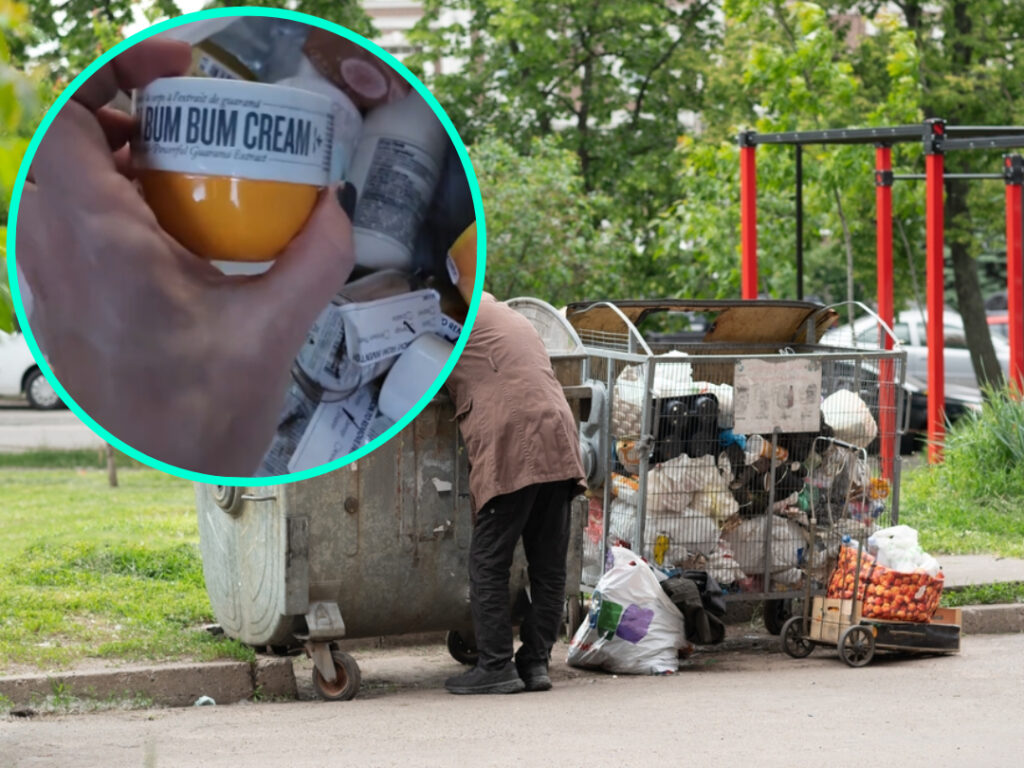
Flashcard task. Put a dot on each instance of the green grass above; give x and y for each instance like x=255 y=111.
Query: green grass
x=974 y=501
x=82 y=458
x=92 y=571
x=985 y=594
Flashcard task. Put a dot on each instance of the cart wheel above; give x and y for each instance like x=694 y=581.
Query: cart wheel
x=857 y=645
x=347 y=684
x=460 y=650
x=776 y=613
x=794 y=640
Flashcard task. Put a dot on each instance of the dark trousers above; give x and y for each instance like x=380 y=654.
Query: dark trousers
x=540 y=514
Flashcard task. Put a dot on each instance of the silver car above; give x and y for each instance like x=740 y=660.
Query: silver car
x=910 y=330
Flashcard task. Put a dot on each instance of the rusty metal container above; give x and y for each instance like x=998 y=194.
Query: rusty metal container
x=379 y=547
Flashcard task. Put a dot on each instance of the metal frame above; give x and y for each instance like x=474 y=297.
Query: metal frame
x=937 y=139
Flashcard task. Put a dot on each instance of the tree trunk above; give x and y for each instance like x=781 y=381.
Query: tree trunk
x=111 y=467
x=968 y=291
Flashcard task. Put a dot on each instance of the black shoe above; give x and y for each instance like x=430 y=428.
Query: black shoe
x=535 y=676
x=480 y=680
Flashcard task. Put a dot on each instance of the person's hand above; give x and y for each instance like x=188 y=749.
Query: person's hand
x=178 y=360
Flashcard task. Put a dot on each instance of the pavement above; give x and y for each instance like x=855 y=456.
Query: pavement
x=744 y=705
x=23 y=428
x=385 y=662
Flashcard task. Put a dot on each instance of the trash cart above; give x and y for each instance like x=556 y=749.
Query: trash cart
x=379 y=547
x=703 y=454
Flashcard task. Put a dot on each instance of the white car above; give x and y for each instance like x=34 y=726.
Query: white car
x=20 y=375
x=910 y=329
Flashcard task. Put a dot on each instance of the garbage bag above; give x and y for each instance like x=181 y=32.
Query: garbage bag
x=632 y=626
x=850 y=418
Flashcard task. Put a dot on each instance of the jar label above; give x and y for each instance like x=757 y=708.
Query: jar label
x=397 y=190
x=220 y=127
x=450 y=329
x=336 y=429
x=323 y=357
x=381 y=329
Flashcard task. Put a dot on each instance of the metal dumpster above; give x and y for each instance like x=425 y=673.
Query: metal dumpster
x=379 y=547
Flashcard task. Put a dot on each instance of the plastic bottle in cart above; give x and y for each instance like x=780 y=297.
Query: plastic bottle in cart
x=395 y=170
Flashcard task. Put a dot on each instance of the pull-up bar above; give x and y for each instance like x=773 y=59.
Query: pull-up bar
x=937 y=139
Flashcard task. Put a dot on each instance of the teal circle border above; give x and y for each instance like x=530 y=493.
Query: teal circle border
x=481 y=256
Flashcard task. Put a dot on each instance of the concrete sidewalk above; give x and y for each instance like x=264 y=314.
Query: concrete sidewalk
x=392 y=662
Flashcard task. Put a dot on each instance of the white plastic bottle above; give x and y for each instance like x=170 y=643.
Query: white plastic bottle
x=395 y=171
x=348 y=120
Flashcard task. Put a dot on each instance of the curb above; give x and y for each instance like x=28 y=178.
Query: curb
x=228 y=682
x=172 y=685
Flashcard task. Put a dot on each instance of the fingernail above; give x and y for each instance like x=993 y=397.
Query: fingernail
x=347 y=196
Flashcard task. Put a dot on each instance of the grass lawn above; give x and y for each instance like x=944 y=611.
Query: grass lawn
x=92 y=571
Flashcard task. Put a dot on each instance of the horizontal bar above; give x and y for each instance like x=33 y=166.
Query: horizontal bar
x=921 y=176
x=983 y=130
x=992 y=142
x=844 y=136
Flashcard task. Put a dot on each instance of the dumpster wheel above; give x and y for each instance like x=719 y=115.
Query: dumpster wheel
x=460 y=650
x=349 y=678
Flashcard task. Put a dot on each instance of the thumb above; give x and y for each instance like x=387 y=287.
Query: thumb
x=318 y=261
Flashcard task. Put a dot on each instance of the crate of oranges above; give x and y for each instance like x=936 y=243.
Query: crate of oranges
x=886 y=593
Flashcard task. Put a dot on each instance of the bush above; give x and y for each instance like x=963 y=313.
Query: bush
x=971 y=502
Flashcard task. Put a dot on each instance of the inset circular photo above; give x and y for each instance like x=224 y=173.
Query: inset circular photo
x=246 y=244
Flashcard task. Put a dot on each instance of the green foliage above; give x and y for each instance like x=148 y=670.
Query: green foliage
x=607 y=80
x=88 y=571
x=971 y=502
x=529 y=223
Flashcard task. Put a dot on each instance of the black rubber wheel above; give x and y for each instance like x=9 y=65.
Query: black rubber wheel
x=40 y=394
x=348 y=682
x=793 y=638
x=857 y=645
x=776 y=613
x=460 y=650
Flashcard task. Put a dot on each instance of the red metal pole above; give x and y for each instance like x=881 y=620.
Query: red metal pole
x=1014 y=172
x=748 y=216
x=934 y=241
x=883 y=246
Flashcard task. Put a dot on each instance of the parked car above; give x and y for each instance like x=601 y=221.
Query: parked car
x=910 y=329
x=20 y=375
x=962 y=393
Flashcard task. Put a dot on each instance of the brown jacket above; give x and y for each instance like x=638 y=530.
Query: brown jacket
x=511 y=410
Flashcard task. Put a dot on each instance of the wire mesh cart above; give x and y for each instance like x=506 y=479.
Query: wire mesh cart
x=841 y=623
x=701 y=441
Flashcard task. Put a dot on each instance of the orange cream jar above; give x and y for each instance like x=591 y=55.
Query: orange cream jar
x=231 y=169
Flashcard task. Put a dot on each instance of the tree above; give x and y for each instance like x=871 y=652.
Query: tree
x=785 y=66
x=969 y=75
x=607 y=81
x=542 y=239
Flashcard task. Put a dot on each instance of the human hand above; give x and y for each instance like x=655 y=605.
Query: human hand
x=178 y=360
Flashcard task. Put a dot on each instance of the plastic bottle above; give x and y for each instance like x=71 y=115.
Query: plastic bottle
x=395 y=170
x=348 y=121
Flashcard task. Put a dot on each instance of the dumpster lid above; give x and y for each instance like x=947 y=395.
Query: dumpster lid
x=560 y=338
x=735 y=320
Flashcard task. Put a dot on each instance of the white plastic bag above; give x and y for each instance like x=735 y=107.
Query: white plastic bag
x=897 y=548
x=632 y=627
x=850 y=418
x=747 y=543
